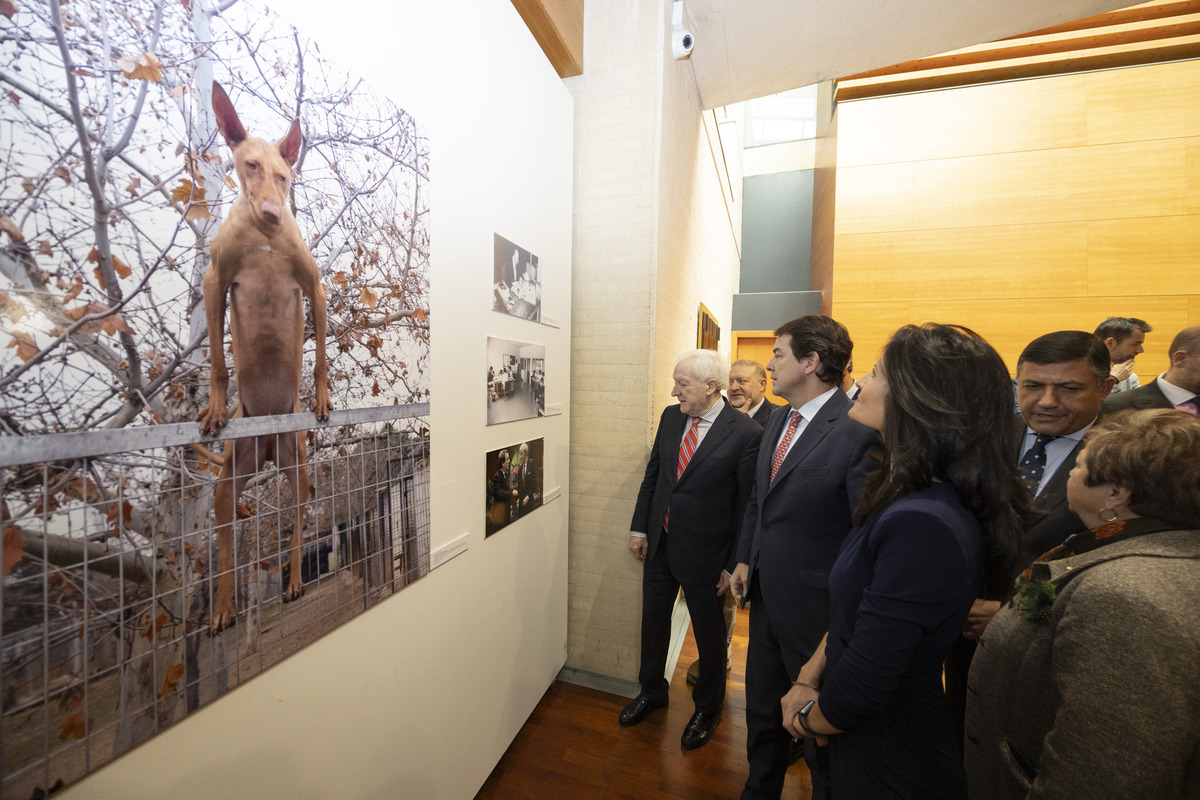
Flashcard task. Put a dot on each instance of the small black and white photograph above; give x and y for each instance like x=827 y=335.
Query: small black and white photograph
x=517 y=287
x=514 y=483
x=516 y=380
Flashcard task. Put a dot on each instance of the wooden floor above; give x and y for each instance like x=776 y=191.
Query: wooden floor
x=571 y=747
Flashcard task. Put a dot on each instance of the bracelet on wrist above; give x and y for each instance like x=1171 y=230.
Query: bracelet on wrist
x=812 y=686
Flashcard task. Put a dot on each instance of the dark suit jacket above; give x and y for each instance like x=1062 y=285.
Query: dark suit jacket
x=764 y=412
x=708 y=500
x=794 y=527
x=1049 y=522
x=1145 y=396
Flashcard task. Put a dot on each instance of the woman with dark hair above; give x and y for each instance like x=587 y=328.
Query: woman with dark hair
x=939 y=521
x=1088 y=683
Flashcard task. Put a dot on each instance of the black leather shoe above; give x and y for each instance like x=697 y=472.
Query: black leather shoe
x=639 y=707
x=699 y=730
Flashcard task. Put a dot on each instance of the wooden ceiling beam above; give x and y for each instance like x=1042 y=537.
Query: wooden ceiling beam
x=1022 y=48
x=1026 y=69
x=557 y=25
x=1146 y=12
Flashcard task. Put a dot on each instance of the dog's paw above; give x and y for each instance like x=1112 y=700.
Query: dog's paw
x=321 y=407
x=294 y=591
x=212 y=419
x=223 y=618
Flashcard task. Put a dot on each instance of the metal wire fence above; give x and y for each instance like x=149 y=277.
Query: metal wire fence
x=111 y=579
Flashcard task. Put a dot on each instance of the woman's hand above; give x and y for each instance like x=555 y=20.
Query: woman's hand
x=796 y=698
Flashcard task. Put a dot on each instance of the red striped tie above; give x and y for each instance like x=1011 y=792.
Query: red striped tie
x=687 y=449
x=781 y=451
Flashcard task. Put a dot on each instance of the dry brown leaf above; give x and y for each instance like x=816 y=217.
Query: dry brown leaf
x=144 y=67
x=133 y=186
x=197 y=211
x=74 y=725
x=8 y=8
x=171 y=679
x=73 y=292
x=64 y=173
x=184 y=192
x=368 y=297
x=45 y=248
x=26 y=349
x=421 y=314
x=11 y=308
x=28 y=185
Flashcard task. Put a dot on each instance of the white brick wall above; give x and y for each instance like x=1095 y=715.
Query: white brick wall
x=652 y=241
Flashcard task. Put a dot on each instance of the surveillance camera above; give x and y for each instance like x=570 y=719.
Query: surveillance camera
x=682 y=43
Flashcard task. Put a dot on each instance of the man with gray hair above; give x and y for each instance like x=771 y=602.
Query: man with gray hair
x=748 y=390
x=684 y=528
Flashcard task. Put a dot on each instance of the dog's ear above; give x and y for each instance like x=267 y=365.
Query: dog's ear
x=227 y=119
x=289 y=145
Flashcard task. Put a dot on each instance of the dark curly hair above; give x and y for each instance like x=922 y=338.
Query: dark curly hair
x=948 y=417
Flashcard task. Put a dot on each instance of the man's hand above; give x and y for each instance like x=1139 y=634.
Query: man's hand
x=979 y=616
x=1123 y=370
x=639 y=546
x=723 y=584
x=737 y=582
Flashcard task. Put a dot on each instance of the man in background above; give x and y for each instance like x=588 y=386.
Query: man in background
x=748 y=390
x=1176 y=388
x=1124 y=337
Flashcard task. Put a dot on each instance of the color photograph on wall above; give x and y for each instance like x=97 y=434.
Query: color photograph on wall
x=516 y=380
x=514 y=483
x=517 y=281
x=151 y=564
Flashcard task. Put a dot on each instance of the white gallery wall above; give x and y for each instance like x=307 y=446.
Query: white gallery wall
x=421 y=695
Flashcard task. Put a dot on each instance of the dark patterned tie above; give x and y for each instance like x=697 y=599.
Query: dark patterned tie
x=687 y=449
x=1191 y=406
x=1033 y=465
x=781 y=450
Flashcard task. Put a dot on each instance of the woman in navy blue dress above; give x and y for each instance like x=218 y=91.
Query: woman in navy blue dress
x=938 y=521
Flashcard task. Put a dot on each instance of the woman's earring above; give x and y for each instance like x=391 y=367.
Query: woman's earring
x=1106 y=510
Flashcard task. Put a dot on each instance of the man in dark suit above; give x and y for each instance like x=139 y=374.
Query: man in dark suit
x=1176 y=388
x=684 y=528
x=1062 y=379
x=529 y=493
x=747 y=393
x=748 y=390
x=810 y=471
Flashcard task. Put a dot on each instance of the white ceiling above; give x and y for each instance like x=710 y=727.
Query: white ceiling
x=751 y=48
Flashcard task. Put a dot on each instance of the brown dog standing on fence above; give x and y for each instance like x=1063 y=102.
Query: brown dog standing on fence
x=259 y=260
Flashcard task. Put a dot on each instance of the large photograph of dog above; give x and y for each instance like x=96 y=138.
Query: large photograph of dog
x=514 y=483
x=214 y=348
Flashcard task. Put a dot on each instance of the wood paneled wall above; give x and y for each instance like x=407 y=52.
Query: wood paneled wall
x=1022 y=208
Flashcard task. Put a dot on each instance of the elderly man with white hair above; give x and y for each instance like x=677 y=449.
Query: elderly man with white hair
x=684 y=529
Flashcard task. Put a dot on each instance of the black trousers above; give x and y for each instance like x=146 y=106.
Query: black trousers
x=768 y=679
x=659 y=590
